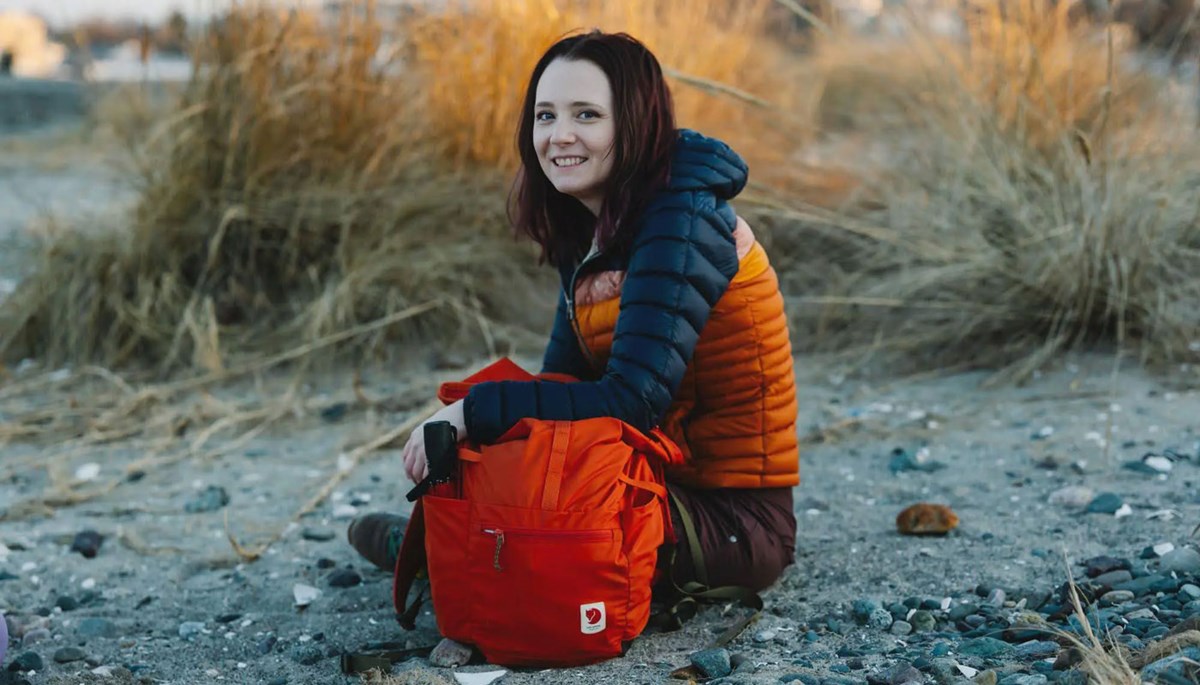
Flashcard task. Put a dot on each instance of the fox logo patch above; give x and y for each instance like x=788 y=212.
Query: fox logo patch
x=592 y=618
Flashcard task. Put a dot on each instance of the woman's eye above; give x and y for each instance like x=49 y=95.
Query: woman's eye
x=543 y=116
x=588 y=114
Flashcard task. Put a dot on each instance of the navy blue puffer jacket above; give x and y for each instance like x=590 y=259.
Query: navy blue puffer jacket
x=681 y=263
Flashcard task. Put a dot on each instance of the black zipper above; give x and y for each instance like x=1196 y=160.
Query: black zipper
x=570 y=297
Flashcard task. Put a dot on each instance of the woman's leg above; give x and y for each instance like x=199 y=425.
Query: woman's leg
x=747 y=536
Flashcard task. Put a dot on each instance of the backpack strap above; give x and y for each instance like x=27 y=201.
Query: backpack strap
x=369 y=657
x=410 y=562
x=693 y=592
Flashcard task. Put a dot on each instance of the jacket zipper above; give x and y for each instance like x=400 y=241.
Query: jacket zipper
x=555 y=536
x=570 y=296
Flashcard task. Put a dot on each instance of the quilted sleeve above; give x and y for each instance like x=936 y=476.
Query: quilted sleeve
x=681 y=263
x=563 y=354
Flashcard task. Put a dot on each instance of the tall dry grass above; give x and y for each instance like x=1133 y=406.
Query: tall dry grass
x=1029 y=191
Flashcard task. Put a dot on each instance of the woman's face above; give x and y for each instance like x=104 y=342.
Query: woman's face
x=573 y=129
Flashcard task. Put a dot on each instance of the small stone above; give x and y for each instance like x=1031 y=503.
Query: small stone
x=902 y=673
x=281 y=680
x=880 y=619
x=190 y=629
x=267 y=644
x=1037 y=649
x=227 y=618
x=960 y=611
x=29 y=661
x=325 y=563
x=1189 y=592
x=66 y=655
x=449 y=654
x=1184 y=560
x=863 y=608
x=997 y=598
x=1112 y=578
x=334 y=412
x=1105 y=503
x=1097 y=566
x=901 y=628
x=764 y=636
x=306 y=654
x=96 y=627
x=1072 y=497
x=987 y=677
x=713 y=662
x=87 y=543
x=344 y=578
x=303 y=595
x=317 y=534
x=1024 y=679
x=210 y=498
x=33 y=637
x=922 y=621
x=984 y=647
x=66 y=603
x=1175 y=662
x=1116 y=597
x=5 y=575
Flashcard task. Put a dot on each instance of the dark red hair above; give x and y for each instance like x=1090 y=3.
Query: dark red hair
x=645 y=134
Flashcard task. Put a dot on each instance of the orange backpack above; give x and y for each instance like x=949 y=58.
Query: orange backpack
x=541 y=549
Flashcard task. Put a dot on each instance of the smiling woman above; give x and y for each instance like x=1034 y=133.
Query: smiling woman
x=670 y=315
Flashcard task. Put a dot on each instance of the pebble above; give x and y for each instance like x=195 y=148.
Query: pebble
x=325 y=563
x=1097 y=566
x=764 y=636
x=922 y=621
x=863 y=608
x=35 y=636
x=1072 y=496
x=1105 y=503
x=1112 y=578
x=96 y=627
x=210 y=498
x=1184 y=560
x=1116 y=597
x=1152 y=671
x=281 y=680
x=1023 y=679
x=29 y=661
x=898 y=675
x=66 y=603
x=317 y=534
x=190 y=629
x=450 y=654
x=984 y=647
x=343 y=578
x=987 y=677
x=713 y=662
x=880 y=619
x=306 y=654
x=267 y=644
x=1037 y=649
x=87 y=543
x=996 y=598
x=1189 y=592
x=901 y=628
x=66 y=655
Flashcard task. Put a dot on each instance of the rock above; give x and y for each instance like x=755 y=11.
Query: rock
x=1112 y=579
x=880 y=619
x=764 y=636
x=1105 y=503
x=1184 y=560
x=1072 y=497
x=317 y=534
x=926 y=519
x=32 y=637
x=306 y=654
x=66 y=603
x=267 y=644
x=281 y=680
x=1068 y=658
x=190 y=629
x=741 y=665
x=210 y=498
x=1116 y=597
x=901 y=461
x=227 y=618
x=344 y=578
x=985 y=678
x=96 y=627
x=334 y=412
x=1023 y=679
x=5 y=575
x=1173 y=664
x=450 y=654
x=87 y=543
x=901 y=673
x=303 y=595
x=960 y=611
x=1036 y=649
x=29 y=661
x=66 y=655
x=985 y=647
x=901 y=628
x=996 y=598
x=713 y=662
x=1189 y=592
x=1100 y=565
x=922 y=621
x=863 y=608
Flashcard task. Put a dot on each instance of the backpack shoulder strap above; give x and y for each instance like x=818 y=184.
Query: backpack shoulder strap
x=410 y=562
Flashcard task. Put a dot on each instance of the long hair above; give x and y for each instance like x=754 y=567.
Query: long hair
x=643 y=141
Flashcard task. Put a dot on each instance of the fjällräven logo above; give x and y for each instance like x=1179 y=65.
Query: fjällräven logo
x=592 y=618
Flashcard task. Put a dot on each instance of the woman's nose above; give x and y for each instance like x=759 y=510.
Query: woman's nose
x=563 y=134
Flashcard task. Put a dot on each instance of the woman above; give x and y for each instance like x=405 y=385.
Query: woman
x=670 y=313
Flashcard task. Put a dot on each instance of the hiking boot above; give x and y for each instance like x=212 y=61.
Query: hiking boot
x=377 y=537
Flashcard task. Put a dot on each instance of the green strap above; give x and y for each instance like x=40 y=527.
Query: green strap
x=689 y=529
x=361 y=662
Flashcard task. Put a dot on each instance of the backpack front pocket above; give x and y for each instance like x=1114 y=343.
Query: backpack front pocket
x=548 y=596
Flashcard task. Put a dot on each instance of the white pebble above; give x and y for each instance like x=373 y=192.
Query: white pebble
x=28 y=566
x=88 y=583
x=1163 y=547
x=345 y=511
x=1124 y=511
x=88 y=471
x=304 y=594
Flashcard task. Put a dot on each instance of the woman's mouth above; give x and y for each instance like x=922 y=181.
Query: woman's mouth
x=562 y=162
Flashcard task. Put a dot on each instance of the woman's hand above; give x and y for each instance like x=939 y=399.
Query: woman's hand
x=416 y=466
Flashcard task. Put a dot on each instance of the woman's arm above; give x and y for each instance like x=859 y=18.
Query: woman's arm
x=680 y=265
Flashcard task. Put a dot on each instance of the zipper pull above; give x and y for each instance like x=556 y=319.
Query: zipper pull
x=499 y=543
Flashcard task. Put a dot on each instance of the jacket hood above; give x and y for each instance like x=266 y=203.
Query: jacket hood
x=703 y=163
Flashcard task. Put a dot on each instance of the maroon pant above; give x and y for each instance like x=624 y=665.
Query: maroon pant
x=747 y=536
